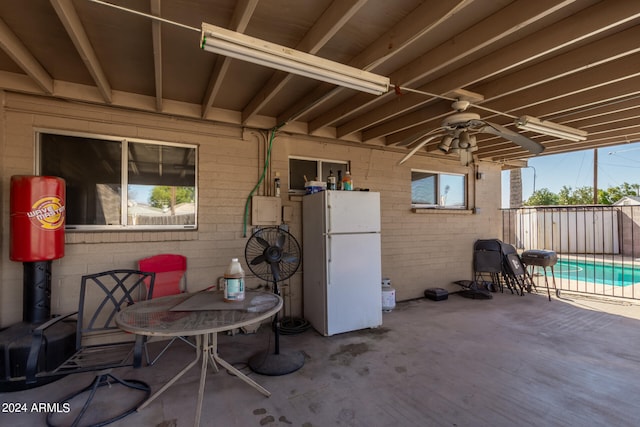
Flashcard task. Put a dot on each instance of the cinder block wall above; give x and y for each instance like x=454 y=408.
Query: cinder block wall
x=419 y=249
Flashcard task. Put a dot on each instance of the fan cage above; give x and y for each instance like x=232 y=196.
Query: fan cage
x=269 y=248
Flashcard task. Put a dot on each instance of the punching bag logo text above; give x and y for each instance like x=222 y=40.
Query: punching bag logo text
x=48 y=213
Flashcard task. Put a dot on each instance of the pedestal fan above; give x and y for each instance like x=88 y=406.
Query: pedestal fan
x=273 y=254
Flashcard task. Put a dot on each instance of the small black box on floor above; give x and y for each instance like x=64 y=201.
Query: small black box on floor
x=436 y=294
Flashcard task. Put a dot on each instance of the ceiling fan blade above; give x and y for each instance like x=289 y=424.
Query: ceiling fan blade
x=410 y=140
x=417 y=147
x=281 y=239
x=521 y=140
x=257 y=260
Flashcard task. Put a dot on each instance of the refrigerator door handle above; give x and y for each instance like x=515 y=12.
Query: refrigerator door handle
x=328 y=259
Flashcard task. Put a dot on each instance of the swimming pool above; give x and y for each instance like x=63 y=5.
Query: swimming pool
x=602 y=273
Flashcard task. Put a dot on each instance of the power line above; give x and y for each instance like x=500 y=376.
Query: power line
x=623 y=151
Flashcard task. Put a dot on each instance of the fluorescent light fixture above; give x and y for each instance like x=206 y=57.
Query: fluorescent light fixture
x=240 y=46
x=549 y=128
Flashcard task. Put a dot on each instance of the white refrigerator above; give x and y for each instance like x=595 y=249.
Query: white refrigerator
x=341 y=261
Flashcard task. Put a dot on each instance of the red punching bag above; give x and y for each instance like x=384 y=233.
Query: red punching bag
x=37 y=218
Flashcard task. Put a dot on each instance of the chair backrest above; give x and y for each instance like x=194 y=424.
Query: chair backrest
x=514 y=265
x=171 y=273
x=109 y=292
x=487 y=262
x=487 y=256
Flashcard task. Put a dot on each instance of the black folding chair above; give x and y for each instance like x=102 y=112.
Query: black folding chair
x=487 y=264
x=514 y=271
x=100 y=344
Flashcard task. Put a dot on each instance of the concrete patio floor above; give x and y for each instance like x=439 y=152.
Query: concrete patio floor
x=509 y=361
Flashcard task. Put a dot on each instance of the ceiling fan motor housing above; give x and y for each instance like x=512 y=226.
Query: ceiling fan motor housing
x=460 y=120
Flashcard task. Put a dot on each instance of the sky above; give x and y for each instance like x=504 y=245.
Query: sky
x=616 y=165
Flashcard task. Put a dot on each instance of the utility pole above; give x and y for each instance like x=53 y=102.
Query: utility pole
x=595 y=176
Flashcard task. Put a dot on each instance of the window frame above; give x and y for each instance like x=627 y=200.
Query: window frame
x=124 y=179
x=319 y=170
x=438 y=205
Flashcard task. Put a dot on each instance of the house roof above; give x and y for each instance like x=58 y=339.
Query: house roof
x=628 y=200
x=573 y=62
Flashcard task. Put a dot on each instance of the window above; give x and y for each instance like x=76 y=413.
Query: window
x=437 y=190
x=115 y=183
x=312 y=168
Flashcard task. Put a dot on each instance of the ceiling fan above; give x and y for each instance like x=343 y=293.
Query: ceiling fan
x=458 y=131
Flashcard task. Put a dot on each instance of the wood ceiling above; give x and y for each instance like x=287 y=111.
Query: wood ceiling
x=572 y=62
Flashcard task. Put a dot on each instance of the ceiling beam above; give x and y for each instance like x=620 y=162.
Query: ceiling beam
x=580 y=26
x=331 y=21
x=19 y=53
x=501 y=146
x=597 y=126
x=239 y=21
x=406 y=33
x=424 y=20
x=473 y=40
x=558 y=147
x=536 y=101
x=156 y=36
x=601 y=51
x=571 y=88
x=69 y=18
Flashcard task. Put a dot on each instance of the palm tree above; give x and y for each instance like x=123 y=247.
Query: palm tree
x=515 y=188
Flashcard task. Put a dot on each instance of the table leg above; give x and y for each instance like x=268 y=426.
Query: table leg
x=206 y=350
x=176 y=377
x=207 y=344
x=234 y=371
x=213 y=339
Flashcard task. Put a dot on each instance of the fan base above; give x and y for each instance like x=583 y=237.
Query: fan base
x=276 y=364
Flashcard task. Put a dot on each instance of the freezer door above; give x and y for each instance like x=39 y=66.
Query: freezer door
x=314 y=262
x=353 y=211
x=354 y=297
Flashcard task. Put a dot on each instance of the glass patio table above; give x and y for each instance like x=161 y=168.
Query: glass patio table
x=202 y=315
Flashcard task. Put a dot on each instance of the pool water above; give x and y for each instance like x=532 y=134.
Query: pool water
x=597 y=272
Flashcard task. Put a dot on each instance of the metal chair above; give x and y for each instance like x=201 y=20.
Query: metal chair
x=170 y=279
x=487 y=263
x=100 y=344
x=514 y=272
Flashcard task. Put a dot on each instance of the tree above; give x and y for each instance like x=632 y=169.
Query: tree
x=582 y=195
x=515 y=188
x=165 y=196
x=542 y=197
x=579 y=196
x=613 y=194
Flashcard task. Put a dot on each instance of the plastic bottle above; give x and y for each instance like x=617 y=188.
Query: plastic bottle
x=234 y=282
x=339 y=183
x=347 y=184
x=331 y=181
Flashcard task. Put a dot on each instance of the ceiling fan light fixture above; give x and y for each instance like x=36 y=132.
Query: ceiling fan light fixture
x=473 y=144
x=240 y=46
x=549 y=128
x=445 y=144
x=463 y=141
x=455 y=146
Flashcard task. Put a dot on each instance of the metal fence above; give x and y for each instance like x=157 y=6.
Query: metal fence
x=598 y=247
